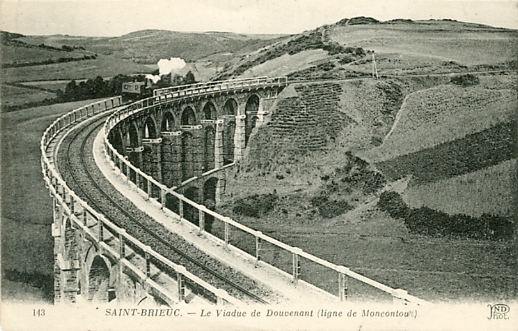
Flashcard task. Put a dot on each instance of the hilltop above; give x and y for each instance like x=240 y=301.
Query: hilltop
x=149 y=46
x=35 y=67
x=401 y=47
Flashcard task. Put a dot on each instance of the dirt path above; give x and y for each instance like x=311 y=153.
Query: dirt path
x=398 y=116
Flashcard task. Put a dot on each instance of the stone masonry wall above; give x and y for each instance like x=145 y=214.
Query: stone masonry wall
x=305 y=122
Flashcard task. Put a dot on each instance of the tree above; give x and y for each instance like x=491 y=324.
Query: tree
x=189 y=78
x=71 y=91
x=177 y=80
x=99 y=87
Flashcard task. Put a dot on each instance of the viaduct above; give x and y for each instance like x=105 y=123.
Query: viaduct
x=173 y=149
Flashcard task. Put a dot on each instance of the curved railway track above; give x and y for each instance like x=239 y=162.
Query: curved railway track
x=75 y=158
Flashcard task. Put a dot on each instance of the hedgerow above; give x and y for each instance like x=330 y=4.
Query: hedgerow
x=465 y=80
x=436 y=223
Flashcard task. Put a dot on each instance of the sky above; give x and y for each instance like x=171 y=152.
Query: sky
x=115 y=17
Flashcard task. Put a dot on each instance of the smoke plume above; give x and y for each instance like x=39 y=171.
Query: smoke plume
x=154 y=78
x=165 y=67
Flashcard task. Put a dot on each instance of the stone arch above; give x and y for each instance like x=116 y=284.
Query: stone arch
x=149 y=130
x=99 y=279
x=251 y=109
x=168 y=150
x=115 y=138
x=188 y=116
x=168 y=122
x=209 y=149
x=132 y=135
x=133 y=141
x=188 y=155
x=191 y=213
x=209 y=111
x=124 y=285
x=230 y=107
x=150 y=152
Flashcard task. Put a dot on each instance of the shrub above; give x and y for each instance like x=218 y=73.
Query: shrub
x=465 y=80
x=373 y=181
x=348 y=58
x=318 y=200
x=255 y=205
x=393 y=204
x=330 y=209
x=436 y=223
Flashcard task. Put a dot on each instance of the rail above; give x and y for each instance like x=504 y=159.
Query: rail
x=219 y=85
x=176 y=204
x=70 y=203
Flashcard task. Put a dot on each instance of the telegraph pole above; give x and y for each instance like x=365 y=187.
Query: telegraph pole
x=374 y=67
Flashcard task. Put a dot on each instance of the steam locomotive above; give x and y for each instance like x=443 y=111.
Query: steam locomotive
x=132 y=91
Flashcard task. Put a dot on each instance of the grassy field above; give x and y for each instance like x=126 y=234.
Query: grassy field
x=374 y=245
x=455 y=157
x=50 y=84
x=102 y=66
x=447 y=112
x=26 y=205
x=286 y=64
x=489 y=190
x=456 y=143
x=418 y=48
x=14 y=95
x=439 y=40
x=17 y=54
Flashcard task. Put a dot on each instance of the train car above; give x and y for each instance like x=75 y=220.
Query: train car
x=136 y=90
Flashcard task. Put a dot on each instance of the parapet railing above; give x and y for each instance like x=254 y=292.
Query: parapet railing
x=221 y=85
x=251 y=243
x=86 y=218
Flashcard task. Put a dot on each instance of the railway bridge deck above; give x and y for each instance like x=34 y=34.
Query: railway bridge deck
x=168 y=155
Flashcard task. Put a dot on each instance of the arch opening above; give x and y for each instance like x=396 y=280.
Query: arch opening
x=167 y=122
x=150 y=131
x=209 y=111
x=151 y=153
x=167 y=149
x=132 y=139
x=230 y=107
x=99 y=281
x=115 y=138
x=188 y=117
x=251 y=109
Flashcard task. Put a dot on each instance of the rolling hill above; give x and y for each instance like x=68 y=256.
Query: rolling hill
x=149 y=46
x=402 y=47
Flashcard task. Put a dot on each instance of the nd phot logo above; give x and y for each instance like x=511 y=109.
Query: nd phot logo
x=498 y=311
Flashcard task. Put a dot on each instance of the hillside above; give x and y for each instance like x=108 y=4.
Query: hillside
x=456 y=144
x=311 y=190
x=310 y=129
x=149 y=46
x=447 y=112
x=401 y=47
